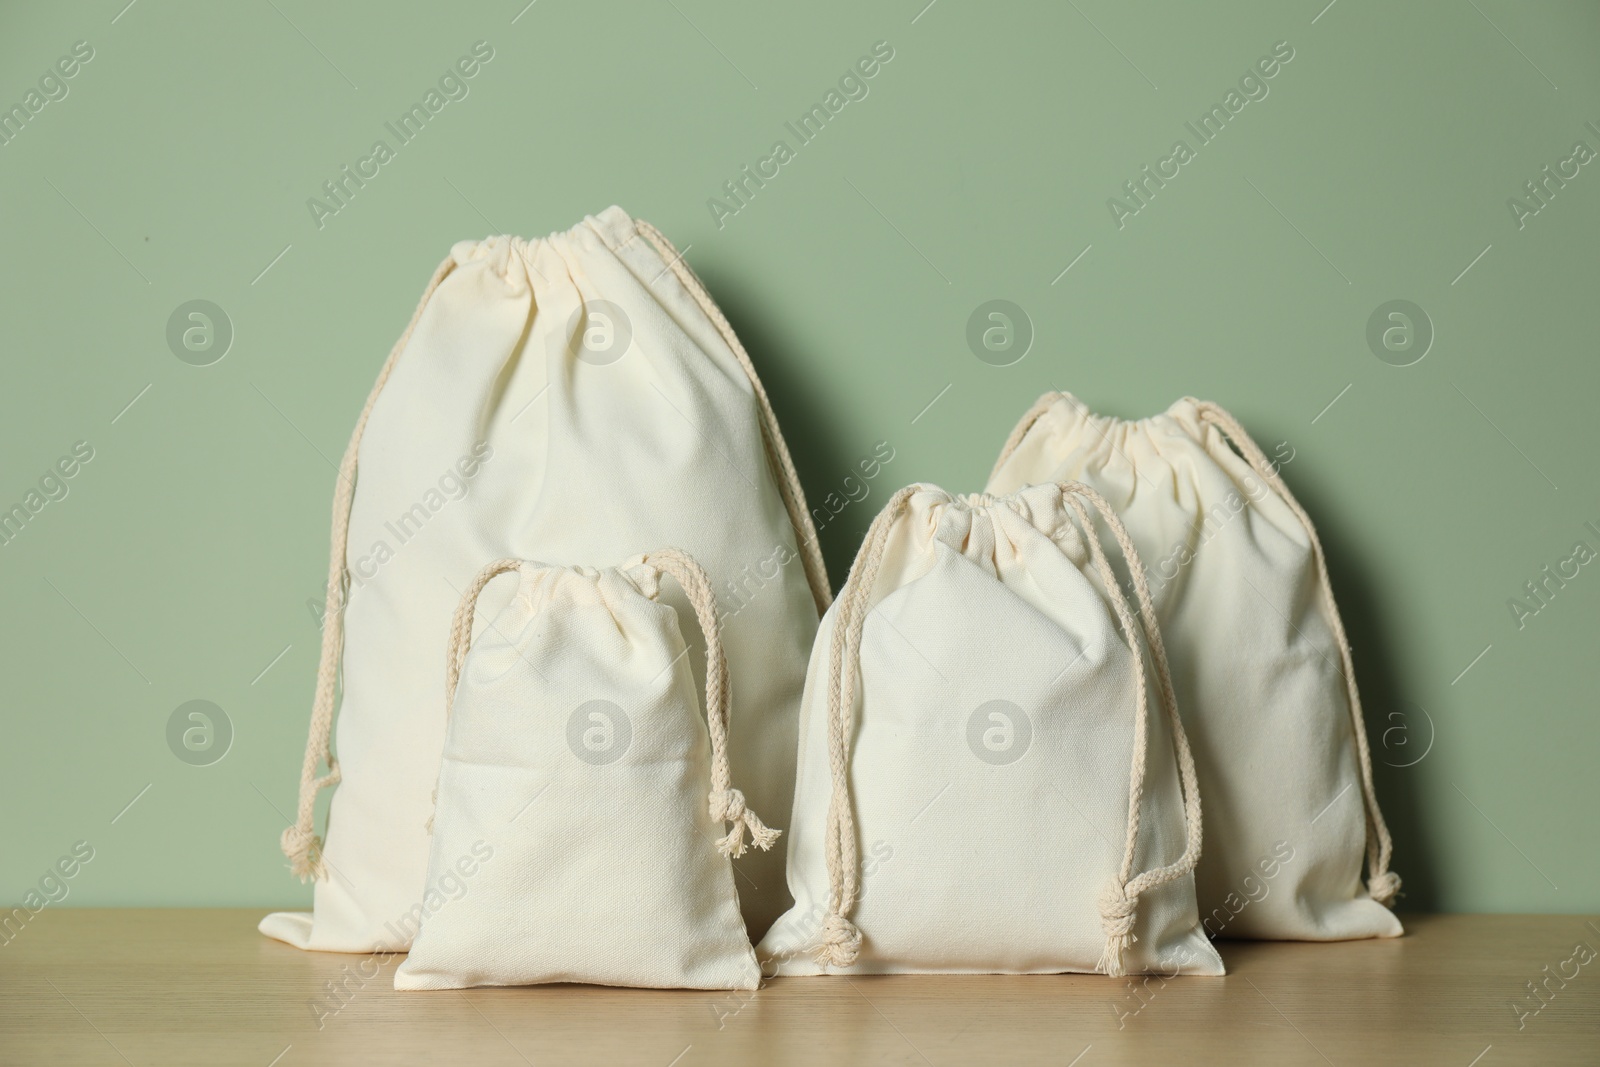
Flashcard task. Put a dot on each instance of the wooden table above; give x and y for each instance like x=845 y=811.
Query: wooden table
x=173 y=987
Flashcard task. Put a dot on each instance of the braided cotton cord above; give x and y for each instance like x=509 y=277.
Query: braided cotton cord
x=794 y=497
x=300 y=842
x=727 y=803
x=1020 y=430
x=1382 y=883
x=461 y=626
x=1119 y=904
x=461 y=640
x=840 y=941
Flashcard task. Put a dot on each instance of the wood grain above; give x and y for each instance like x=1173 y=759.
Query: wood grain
x=177 y=987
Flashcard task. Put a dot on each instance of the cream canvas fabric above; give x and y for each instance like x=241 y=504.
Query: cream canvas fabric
x=1259 y=656
x=572 y=399
x=578 y=759
x=985 y=784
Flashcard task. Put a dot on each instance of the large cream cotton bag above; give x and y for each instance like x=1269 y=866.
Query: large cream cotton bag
x=1259 y=656
x=569 y=399
x=578 y=759
x=985 y=784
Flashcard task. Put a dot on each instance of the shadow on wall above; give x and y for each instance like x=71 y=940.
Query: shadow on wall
x=803 y=416
x=1398 y=734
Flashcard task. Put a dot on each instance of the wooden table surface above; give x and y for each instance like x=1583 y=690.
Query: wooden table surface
x=173 y=987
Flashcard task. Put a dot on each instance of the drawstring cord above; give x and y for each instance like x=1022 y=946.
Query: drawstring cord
x=794 y=497
x=727 y=803
x=1382 y=884
x=1119 y=903
x=300 y=842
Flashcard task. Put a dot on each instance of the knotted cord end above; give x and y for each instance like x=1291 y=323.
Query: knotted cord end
x=839 y=943
x=1384 y=888
x=727 y=805
x=1117 y=914
x=304 y=850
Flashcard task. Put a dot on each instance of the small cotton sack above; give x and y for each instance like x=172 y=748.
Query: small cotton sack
x=983 y=786
x=572 y=398
x=1260 y=662
x=577 y=757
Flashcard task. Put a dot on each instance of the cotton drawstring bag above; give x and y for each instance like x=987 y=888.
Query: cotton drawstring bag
x=577 y=756
x=573 y=398
x=983 y=785
x=1260 y=661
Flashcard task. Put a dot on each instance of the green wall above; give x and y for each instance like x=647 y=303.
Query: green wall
x=1377 y=167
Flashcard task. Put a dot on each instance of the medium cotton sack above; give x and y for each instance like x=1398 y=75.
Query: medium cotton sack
x=577 y=757
x=567 y=399
x=983 y=786
x=1260 y=661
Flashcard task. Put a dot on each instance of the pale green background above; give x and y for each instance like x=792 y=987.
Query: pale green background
x=977 y=168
